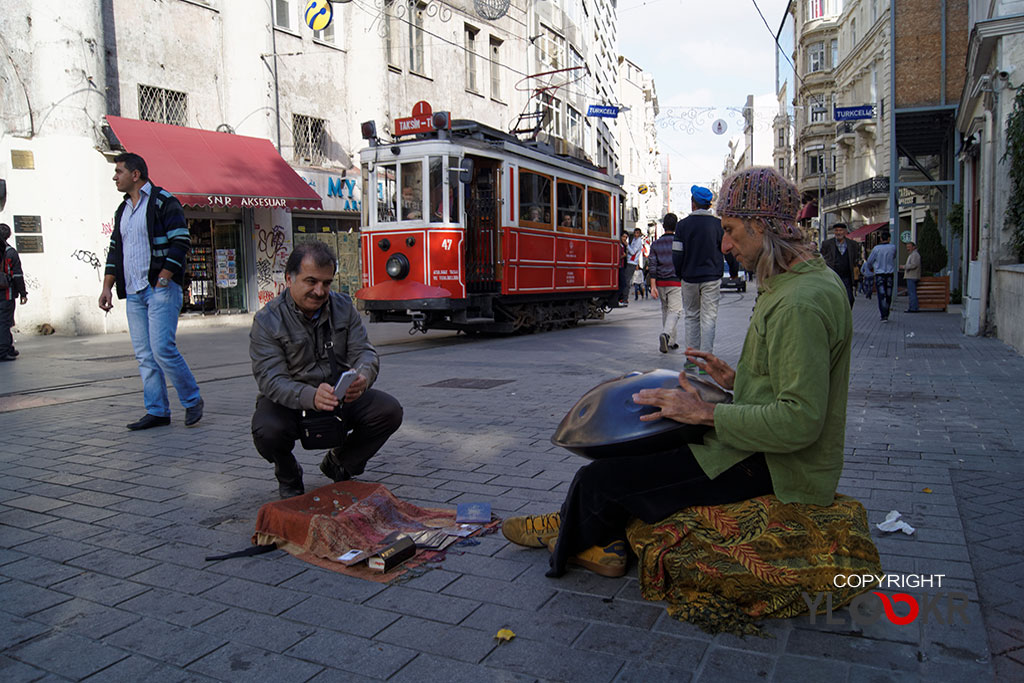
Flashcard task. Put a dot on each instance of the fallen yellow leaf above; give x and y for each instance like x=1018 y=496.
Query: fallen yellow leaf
x=505 y=634
x=926 y=490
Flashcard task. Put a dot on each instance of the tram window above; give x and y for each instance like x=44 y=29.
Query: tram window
x=570 y=207
x=598 y=214
x=436 y=190
x=387 y=193
x=534 y=199
x=412 y=191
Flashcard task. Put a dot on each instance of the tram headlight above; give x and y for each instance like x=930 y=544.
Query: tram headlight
x=397 y=266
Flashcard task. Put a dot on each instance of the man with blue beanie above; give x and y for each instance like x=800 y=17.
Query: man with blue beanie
x=697 y=256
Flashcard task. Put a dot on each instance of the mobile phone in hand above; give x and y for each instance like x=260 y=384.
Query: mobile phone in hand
x=344 y=382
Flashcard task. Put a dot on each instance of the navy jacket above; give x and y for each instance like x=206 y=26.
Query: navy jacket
x=697 y=248
x=169 y=240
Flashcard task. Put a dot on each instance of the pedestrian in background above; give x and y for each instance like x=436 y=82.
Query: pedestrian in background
x=842 y=256
x=146 y=262
x=625 y=273
x=912 y=274
x=12 y=288
x=665 y=284
x=882 y=262
x=867 y=280
x=697 y=255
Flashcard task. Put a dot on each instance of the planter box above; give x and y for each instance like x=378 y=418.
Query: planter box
x=933 y=293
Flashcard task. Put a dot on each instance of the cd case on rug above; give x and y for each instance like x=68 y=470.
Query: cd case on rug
x=473 y=513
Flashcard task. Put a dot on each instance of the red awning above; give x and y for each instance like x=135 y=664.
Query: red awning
x=205 y=168
x=865 y=230
x=810 y=210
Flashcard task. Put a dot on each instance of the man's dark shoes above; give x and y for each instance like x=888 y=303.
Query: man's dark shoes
x=332 y=469
x=14 y=353
x=289 y=490
x=7 y=358
x=194 y=414
x=148 y=421
x=663 y=342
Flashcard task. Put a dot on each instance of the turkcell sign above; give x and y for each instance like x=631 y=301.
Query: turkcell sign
x=865 y=111
x=605 y=111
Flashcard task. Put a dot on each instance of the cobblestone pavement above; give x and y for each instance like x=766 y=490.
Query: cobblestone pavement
x=103 y=531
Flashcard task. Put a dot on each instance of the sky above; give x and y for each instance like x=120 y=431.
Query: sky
x=701 y=54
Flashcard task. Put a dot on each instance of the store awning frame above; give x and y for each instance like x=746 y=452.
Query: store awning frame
x=865 y=230
x=210 y=169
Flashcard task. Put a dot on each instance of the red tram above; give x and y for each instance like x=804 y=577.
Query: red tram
x=468 y=228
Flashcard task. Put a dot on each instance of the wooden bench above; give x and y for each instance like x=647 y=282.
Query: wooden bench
x=933 y=293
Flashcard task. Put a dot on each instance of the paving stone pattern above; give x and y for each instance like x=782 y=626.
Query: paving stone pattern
x=103 y=532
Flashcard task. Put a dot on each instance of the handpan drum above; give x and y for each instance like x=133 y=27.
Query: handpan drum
x=606 y=422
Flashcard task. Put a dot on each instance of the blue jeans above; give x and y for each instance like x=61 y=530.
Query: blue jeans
x=883 y=283
x=153 y=323
x=912 y=293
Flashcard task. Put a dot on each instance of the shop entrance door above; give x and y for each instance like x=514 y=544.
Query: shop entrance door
x=215 y=280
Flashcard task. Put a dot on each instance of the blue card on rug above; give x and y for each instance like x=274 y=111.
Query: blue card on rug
x=473 y=513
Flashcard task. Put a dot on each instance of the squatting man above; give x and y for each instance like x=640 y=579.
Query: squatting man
x=784 y=431
x=290 y=344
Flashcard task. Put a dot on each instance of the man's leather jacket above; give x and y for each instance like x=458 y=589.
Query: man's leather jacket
x=289 y=351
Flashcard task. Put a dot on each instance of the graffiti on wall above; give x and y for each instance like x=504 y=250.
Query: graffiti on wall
x=106 y=228
x=272 y=249
x=87 y=257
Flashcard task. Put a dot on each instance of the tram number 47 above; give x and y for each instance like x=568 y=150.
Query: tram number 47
x=446 y=244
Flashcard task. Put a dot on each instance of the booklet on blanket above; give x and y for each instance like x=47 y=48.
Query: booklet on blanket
x=473 y=513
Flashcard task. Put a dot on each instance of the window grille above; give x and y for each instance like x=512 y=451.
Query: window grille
x=310 y=136
x=163 y=106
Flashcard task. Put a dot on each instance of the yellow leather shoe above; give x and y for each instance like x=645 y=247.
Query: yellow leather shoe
x=608 y=560
x=532 y=531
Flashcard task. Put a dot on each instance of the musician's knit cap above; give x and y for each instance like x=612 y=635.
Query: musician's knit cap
x=762 y=192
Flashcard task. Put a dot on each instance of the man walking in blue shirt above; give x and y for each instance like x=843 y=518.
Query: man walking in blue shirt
x=882 y=262
x=146 y=263
x=697 y=256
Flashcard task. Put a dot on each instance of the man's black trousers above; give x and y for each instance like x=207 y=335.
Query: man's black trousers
x=6 y=323
x=371 y=419
x=606 y=494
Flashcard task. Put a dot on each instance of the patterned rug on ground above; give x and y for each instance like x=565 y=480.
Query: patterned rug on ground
x=726 y=567
x=323 y=524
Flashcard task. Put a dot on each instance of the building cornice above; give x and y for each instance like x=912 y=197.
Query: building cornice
x=984 y=36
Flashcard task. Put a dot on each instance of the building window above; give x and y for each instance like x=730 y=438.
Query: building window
x=416 y=60
x=815 y=9
x=874 y=11
x=470 y=45
x=834 y=49
x=163 y=106
x=326 y=35
x=283 y=14
x=552 y=48
x=573 y=126
x=815 y=57
x=782 y=166
x=495 y=54
x=310 y=139
x=815 y=163
x=853 y=33
x=390 y=49
x=782 y=137
x=551 y=116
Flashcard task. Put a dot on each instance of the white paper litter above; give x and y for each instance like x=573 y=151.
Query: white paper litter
x=894 y=523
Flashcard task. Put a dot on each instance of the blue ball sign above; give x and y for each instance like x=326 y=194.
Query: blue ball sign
x=318 y=14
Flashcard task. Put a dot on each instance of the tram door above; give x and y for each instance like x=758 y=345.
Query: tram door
x=483 y=244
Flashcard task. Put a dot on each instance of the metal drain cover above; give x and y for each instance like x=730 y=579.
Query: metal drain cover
x=469 y=383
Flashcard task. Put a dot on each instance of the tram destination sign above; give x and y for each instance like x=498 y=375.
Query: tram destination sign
x=604 y=111
x=864 y=111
